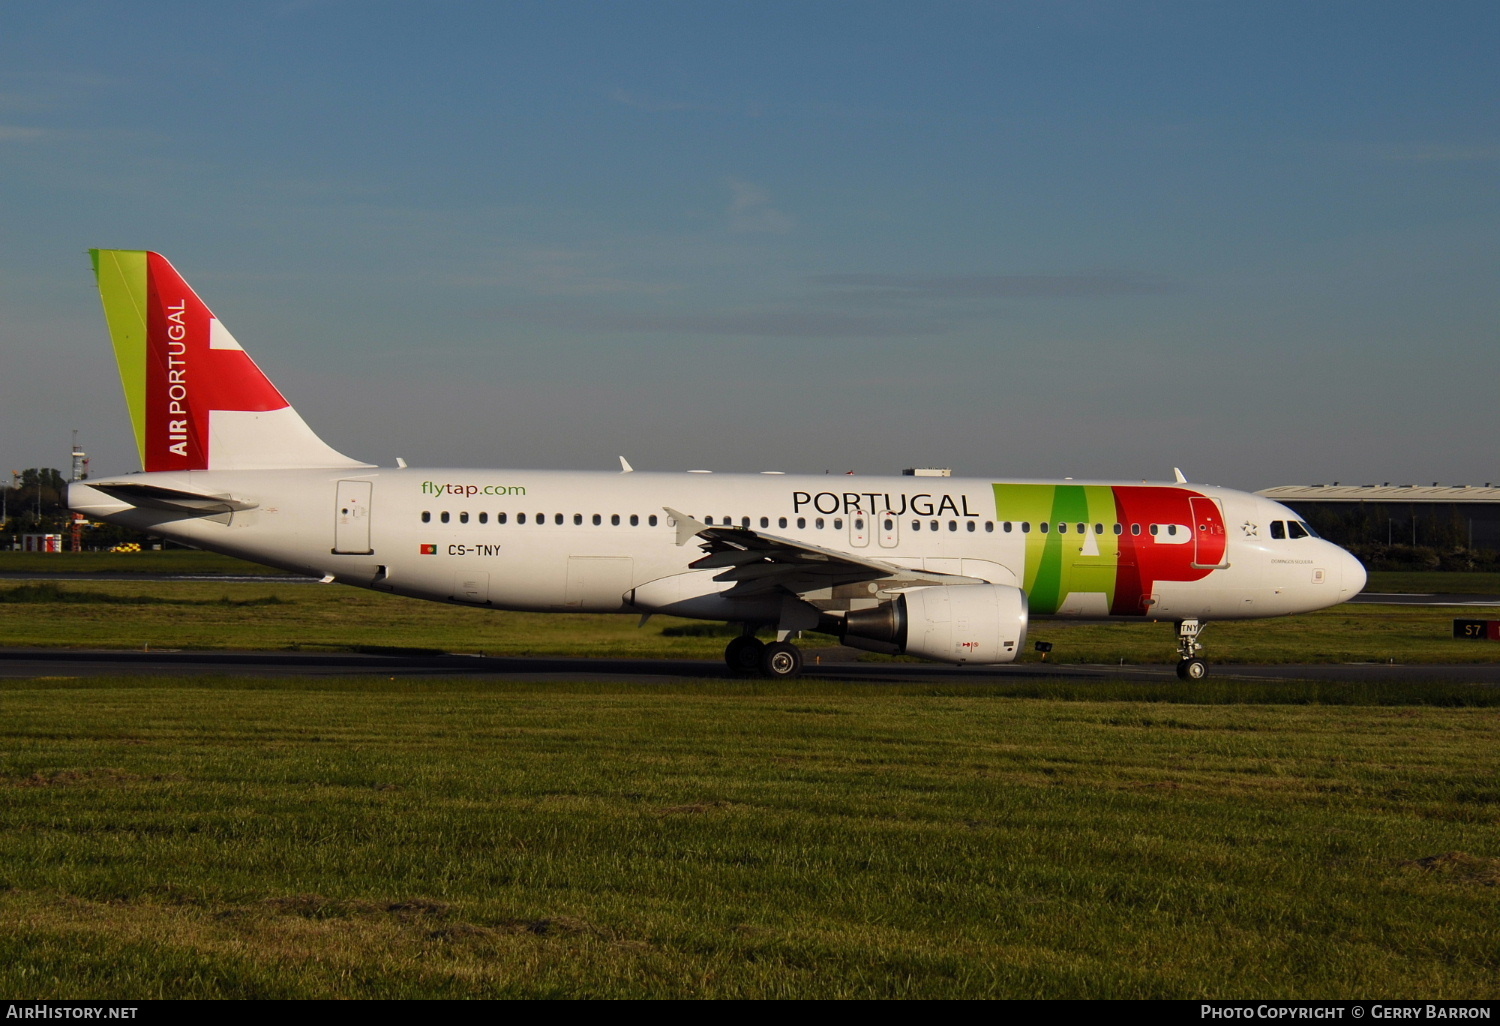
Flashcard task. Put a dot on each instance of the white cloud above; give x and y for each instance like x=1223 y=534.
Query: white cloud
x=998 y=286
x=651 y=104
x=1441 y=154
x=751 y=210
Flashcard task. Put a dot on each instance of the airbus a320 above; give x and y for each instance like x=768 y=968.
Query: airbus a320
x=948 y=569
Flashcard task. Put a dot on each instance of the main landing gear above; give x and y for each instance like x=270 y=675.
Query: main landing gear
x=748 y=654
x=1189 y=666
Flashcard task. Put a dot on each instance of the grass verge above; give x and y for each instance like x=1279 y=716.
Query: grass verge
x=374 y=838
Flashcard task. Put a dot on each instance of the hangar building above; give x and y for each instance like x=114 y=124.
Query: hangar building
x=1440 y=516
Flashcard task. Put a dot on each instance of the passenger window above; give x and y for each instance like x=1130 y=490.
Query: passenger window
x=916 y=525
x=1062 y=528
x=1006 y=526
x=781 y=521
x=890 y=525
x=463 y=518
x=500 y=517
x=1082 y=528
x=1119 y=529
x=969 y=524
x=557 y=518
x=651 y=520
x=1172 y=530
x=1098 y=528
x=838 y=523
x=709 y=521
x=801 y=523
x=818 y=523
x=859 y=523
x=1026 y=527
x=520 y=518
x=597 y=519
x=1044 y=527
x=989 y=527
x=635 y=520
x=614 y=520
x=1135 y=528
x=953 y=525
x=577 y=519
x=934 y=525
x=1278 y=530
x=1154 y=529
x=1294 y=529
x=443 y=516
x=765 y=521
x=484 y=518
x=427 y=516
x=745 y=523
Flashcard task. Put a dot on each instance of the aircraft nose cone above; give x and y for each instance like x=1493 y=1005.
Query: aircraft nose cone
x=1353 y=575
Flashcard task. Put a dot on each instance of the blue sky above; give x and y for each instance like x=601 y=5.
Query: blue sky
x=1257 y=241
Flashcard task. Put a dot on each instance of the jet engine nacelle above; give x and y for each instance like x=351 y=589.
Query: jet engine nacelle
x=959 y=623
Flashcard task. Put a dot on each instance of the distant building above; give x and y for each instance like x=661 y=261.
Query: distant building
x=1439 y=516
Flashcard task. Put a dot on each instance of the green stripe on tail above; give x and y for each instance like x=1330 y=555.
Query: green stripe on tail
x=121 y=274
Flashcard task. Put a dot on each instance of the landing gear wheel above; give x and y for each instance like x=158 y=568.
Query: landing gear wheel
x=743 y=654
x=1189 y=666
x=781 y=659
x=1192 y=669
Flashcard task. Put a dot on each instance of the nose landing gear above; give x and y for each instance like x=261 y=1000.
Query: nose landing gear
x=1189 y=666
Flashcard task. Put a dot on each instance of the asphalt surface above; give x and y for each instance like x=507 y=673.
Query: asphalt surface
x=26 y=663
x=123 y=575
x=1378 y=598
x=835 y=664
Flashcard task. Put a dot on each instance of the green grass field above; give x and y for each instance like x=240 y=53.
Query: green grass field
x=170 y=561
x=453 y=838
x=369 y=838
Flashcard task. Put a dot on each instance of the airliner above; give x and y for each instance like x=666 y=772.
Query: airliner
x=944 y=568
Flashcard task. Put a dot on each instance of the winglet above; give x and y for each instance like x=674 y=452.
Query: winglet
x=687 y=527
x=625 y=467
x=1177 y=473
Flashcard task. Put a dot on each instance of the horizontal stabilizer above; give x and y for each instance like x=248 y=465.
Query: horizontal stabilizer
x=172 y=499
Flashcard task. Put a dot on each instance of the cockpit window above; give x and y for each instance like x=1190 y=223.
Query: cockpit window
x=1278 y=529
x=1297 y=529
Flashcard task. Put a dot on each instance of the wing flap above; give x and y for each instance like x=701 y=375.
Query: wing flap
x=759 y=563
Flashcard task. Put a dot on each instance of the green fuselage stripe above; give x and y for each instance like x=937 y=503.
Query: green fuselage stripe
x=1061 y=561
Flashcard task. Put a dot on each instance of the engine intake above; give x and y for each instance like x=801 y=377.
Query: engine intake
x=960 y=623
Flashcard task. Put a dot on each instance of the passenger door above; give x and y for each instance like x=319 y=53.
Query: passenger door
x=351 y=524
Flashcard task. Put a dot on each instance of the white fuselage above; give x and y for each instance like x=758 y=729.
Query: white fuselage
x=604 y=542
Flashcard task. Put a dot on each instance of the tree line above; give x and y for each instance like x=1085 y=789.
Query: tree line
x=34 y=501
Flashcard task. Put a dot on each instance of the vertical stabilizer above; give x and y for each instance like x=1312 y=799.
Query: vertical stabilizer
x=197 y=401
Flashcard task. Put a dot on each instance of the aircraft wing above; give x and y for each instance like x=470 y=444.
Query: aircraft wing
x=759 y=563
